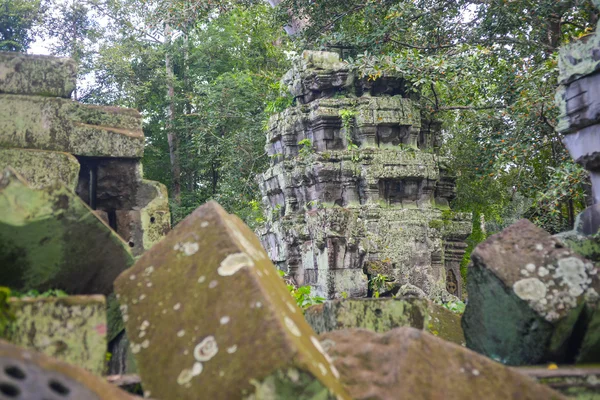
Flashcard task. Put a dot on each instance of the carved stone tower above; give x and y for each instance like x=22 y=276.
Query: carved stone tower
x=355 y=188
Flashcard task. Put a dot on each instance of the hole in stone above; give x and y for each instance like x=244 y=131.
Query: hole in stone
x=378 y=312
x=131 y=244
x=9 y=390
x=152 y=220
x=14 y=372
x=59 y=388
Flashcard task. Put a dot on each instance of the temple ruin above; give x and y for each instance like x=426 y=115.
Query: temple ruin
x=355 y=187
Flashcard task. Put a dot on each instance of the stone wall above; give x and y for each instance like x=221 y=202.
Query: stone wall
x=355 y=187
x=93 y=150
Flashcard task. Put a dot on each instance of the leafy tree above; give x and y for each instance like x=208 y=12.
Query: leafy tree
x=17 y=19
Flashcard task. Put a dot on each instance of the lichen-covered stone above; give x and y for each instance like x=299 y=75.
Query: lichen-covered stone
x=27 y=374
x=51 y=240
x=206 y=312
x=411 y=364
x=382 y=315
x=526 y=293
x=37 y=75
x=57 y=124
x=42 y=168
x=71 y=329
x=353 y=181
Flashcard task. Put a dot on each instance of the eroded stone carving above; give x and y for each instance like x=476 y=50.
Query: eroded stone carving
x=354 y=179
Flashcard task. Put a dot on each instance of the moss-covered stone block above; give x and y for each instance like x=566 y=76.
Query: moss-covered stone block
x=526 y=293
x=382 y=315
x=37 y=75
x=71 y=329
x=411 y=364
x=27 y=374
x=50 y=239
x=51 y=123
x=42 y=168
x=206 y=312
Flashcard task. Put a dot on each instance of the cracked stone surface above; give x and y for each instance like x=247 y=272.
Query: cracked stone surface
x=206 y=311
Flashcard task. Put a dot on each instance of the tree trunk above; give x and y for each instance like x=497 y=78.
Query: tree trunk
x=171 y=133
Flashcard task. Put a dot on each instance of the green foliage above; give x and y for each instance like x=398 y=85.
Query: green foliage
x=17 y=20
x=6 y=316
x=457 y=307
x=302 y=294
x=306 y=148
x=379 y=284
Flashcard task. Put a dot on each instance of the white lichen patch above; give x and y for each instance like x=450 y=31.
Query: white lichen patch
x=530 y=289
x=543 y=272
x=206 y=349
x=291 y=326
x=190 y=248
x=185 y=376
x=291 y=307
x=224 y=320
x=213 y=284
x=572 y=272
x=144 y=325
x=322 y=369
x=148 y=271
x=132 y=277
x=530 y=267
x=232 y=349
x=258 y=304
x=145 y=344
x=177 y=306
x=233 y=263
x=181 y=333
x=135 y=348
x=201 y=279
x=149 y=284
x=197 y=369
x=539 y=247
x=204 y=224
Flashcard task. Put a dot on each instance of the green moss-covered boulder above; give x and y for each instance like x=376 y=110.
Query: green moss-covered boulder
x=407 y=363
x=526 y=293
x=382 y=315
x=42 y=168
x=206 y=312
x=71 y=329
x=51 y=123
x=50 y=239
x=27 y=374
x=37 y=75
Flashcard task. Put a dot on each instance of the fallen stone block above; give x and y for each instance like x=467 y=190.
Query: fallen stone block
x=42 y=168
x=37 y=75
x=526 y=293
x=581 y=383
x=382 y=315
x=407 y=363
x=206 y=312
x=71 y=329
x=29 y=375
x=51 y=240
x=51 y=123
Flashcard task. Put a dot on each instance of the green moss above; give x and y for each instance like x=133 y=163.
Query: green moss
x=436 y=224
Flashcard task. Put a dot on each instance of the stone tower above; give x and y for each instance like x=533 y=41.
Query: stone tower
x=355 y=188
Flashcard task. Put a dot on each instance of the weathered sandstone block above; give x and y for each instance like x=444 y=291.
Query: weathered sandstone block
x=206 y=312
x=42 y=168
x=526 y=293
x=37 y=75
x=382 y=315
x=56 y=124
x=71 y=329
x=27 y=374
x=406 y=363
x=51 y=240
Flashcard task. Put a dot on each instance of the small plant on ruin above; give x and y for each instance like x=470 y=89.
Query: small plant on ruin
x=306 y=148
x=457 y=307
x=6 y=317
x=379 y=284
x=35 y=293
x=301 y=294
